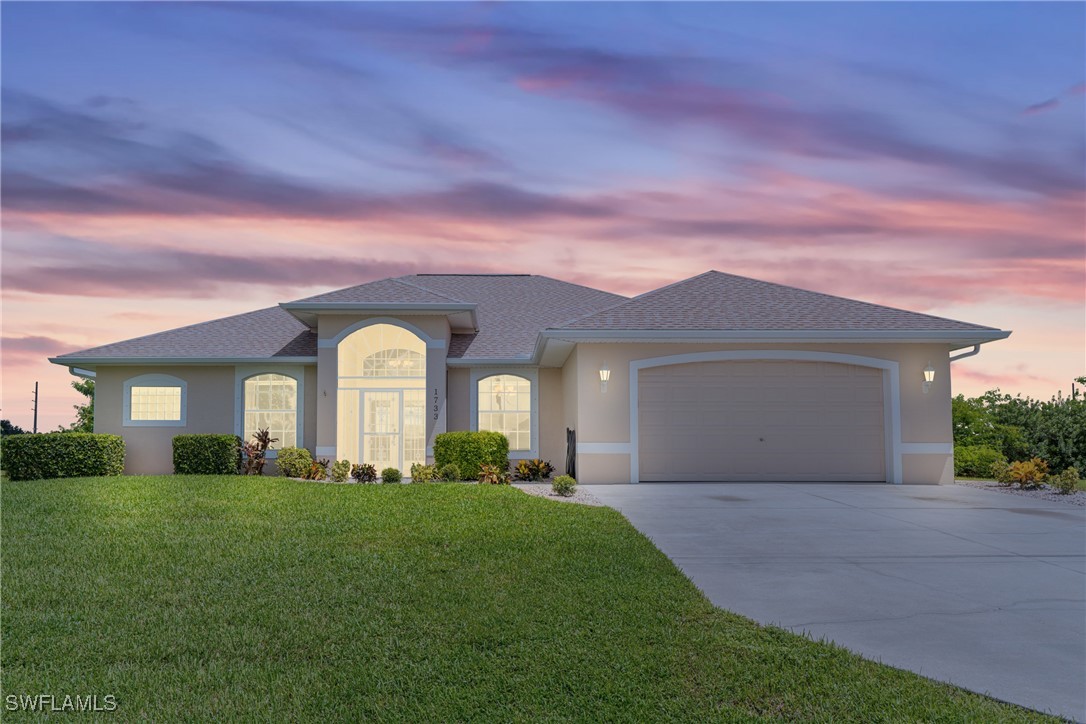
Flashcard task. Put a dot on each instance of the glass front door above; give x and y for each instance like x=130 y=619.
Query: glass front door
x=394 y=428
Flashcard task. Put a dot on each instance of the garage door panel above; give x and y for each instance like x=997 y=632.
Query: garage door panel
x=761 y=420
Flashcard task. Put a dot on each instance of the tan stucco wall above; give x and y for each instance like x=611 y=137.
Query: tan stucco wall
x=552 y=431
x=211 y=396
x=927 y=469
x=459 y=402
x=604 y=417
x=149 y=450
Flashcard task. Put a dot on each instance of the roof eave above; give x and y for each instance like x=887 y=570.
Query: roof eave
x=306 y=312
x=961 y=337
x=91 y=363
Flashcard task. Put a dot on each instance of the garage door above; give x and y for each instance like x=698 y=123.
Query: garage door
x=761 y=421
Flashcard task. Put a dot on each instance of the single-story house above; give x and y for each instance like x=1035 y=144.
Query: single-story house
x=714 y=378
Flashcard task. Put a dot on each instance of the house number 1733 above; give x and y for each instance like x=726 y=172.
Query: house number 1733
x=435 y=403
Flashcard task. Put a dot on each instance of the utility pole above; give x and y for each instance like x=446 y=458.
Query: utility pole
x=35 y=408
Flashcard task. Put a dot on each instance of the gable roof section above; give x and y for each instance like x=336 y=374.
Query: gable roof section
x=383 y=291
x=512 y=309
x=264 y=334
x=716 y=301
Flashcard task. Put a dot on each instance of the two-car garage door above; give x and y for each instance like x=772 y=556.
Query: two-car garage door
x=761 y=421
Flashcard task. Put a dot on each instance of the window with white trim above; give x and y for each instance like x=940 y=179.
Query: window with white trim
x=159 y=404
x=154 y=400
x=271 y=402
x=505 y=406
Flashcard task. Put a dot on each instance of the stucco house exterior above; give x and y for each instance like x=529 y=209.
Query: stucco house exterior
x=714 y=378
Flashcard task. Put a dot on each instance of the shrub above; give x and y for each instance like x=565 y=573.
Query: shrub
x=318 y=470
x=391 y=475
x=975 y=461
x=471 y=450
x=1029 y=474
x=1001 y=472
x=450 y=473
x=423 y=473
x=294 y=462
x=364 y=473
x=206 y=454
x=62 y=455
x=564 y=485
x=493 y=475
x=533 y=470
x=341 y=469
x=255 y=451
x=1066 y=482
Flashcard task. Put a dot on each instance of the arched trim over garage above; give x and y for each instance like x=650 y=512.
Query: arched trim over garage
x=890 y=386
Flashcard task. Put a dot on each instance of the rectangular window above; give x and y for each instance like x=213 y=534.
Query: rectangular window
x=505 y=407
x=271 y=403
x=155 y=403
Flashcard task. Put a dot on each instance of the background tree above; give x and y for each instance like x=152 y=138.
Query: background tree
x=84 y=414
x=7 y=428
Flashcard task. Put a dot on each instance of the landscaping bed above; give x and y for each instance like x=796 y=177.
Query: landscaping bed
x=237 y=598
x=1044 y=493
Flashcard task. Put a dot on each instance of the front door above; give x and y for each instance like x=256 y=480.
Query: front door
x=394 y=428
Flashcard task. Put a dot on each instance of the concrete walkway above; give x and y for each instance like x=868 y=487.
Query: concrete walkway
x=981 y=589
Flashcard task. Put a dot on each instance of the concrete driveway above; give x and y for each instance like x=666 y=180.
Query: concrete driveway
x=978 y=588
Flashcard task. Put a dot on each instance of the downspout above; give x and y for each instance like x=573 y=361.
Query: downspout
x=963 y=355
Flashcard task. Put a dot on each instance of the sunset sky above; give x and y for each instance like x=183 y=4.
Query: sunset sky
x=165 y=164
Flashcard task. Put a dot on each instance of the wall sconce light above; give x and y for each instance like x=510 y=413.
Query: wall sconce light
x=929 y=377
x=605 y=375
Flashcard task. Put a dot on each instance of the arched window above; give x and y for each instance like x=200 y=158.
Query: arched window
x=271 y=401
x=395 y=362
x=505 y=406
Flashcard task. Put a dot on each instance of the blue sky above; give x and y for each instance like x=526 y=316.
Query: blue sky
x=168 y=163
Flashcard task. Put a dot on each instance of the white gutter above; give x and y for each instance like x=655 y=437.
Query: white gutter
x=963 y=355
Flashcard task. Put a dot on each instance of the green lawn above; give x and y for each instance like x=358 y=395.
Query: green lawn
x=235 y=598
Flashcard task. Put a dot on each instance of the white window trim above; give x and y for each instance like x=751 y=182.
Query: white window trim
x=244 y=372
x=154 y=380
x=532 y=375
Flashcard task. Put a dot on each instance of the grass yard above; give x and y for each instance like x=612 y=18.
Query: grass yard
x=241 y=598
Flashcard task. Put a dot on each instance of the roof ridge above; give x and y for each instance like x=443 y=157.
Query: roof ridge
x=176 y=329
x=403 y=280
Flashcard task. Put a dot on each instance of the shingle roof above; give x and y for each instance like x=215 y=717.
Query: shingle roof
x=718 y=301
x=384 y=291
x=512 y=310
x=262 y=334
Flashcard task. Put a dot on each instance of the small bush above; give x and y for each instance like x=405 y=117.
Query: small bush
x=63 y=455
x=533 y=470
x=341 y=469
x=1001 y=472
x=1066 y=482
x=471 y=450
x=1029 y=474
x=294 y=462
x=391 y=475
x=450 y=473
x=564 y=485
x=493 y=475
x=254 y=453
x=318 y=470
x=423 y=473
x=364 y=473
x=206 y=454
x=975 y=461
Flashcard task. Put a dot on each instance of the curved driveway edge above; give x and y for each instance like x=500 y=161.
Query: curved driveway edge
x=983 y=590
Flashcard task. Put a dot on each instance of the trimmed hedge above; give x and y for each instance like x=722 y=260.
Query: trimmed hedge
x=206 y=454
x=975 y=461
x=471 y=450
x=62 y=455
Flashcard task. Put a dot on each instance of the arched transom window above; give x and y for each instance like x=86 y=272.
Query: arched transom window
x=271 y=401
x=505 y=406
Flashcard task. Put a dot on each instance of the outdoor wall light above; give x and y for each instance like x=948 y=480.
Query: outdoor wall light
x=605 y=375
x=929 y=377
